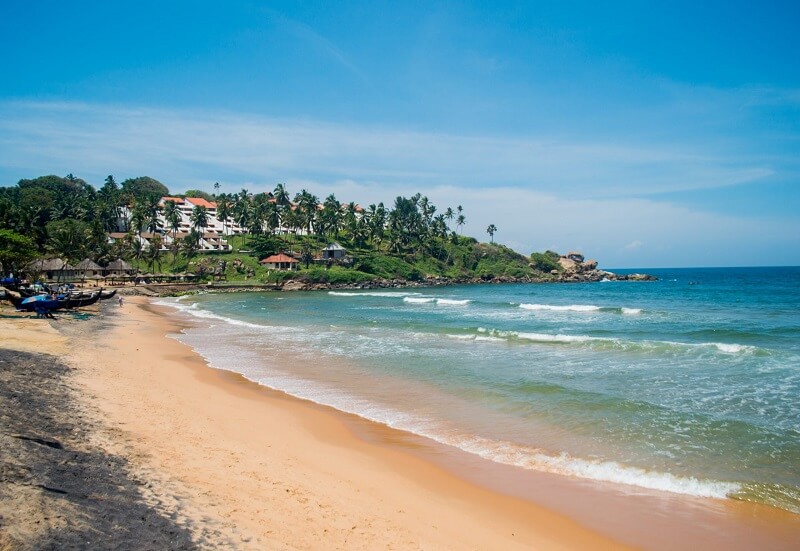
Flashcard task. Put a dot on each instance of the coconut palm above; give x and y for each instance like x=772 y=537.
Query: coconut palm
x=241 y=211
x=460 y=221
x=490 y=230
x=154 y=252
x=199 y=217
x=190 y=244
x=151 y=211
x=307 y=203
x=224 y=211
x=282 y=196
x=172 y=216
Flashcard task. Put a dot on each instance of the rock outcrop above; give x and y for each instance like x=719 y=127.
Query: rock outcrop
x=576 y=269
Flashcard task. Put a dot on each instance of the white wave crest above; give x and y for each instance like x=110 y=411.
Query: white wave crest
x=195 y=311
x=386 y=294
x=731 y=348
x=452 y=302
x=418 y=300
x=556 y=308
x=435 y=300
x=631 y=311
x=543 y=337
x=607 y=471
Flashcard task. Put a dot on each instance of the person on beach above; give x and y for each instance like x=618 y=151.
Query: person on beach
x=121 y=301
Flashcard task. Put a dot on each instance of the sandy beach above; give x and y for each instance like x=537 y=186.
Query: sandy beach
x=202 y=458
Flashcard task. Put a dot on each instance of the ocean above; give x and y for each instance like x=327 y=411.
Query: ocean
x=690 y=384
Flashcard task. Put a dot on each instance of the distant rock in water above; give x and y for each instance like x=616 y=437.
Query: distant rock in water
x=575 y=269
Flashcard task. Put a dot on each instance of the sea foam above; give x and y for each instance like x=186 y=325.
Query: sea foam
x=438 y=301
x=384 y=294
x=556 y=308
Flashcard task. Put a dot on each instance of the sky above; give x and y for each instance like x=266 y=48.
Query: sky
x=641 y=134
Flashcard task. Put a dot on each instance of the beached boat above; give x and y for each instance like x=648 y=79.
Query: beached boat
x=41 y=304
x=80 y=300
x=105 y=295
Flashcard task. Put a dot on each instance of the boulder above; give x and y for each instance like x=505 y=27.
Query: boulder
x=590 y=265
x=568 y=264
x=641 y=277
x=293 y=285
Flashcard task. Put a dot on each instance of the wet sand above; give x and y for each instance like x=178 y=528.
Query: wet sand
x=226 y=463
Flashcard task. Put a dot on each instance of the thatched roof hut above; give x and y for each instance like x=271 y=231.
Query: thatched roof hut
x=118 y=267
x=88 y=268
x=50 y=268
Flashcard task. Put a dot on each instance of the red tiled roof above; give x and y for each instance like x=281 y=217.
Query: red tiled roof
x=201 y=202
x=278 y=258
x=173 y=199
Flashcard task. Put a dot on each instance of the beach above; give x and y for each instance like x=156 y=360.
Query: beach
x=205 y=458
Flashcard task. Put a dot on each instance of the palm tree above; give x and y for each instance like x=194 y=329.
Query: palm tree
x=138 y=218
x=134 y=245
x=224 y=211
x=351 y=218
x=331 y=215
x=154 y=253
x=490 y=230
x=151 y=210
x=68 y=239
x=199 y=217
x=272 y=218
x=307 y=203
x=190 y=244
x=259 y=212
x=460 y=221
x=449 y=214
x=282 y=196
x=172 y=216
x=292 y=220
x=241 y=211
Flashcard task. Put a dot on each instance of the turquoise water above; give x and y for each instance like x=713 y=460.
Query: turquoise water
x=689 y=384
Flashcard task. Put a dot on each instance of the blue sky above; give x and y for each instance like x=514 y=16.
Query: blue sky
x=642 y=134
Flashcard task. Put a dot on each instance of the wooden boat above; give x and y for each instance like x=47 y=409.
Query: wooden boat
x=105 y=295
x=39 y=303
x=80 y=300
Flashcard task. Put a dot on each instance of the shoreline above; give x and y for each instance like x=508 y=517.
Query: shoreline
x=630 y=515
x=235 y=453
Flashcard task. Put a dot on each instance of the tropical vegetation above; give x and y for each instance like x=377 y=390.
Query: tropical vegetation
x=411 y=239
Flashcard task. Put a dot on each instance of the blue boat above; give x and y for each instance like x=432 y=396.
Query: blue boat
x=41 y=304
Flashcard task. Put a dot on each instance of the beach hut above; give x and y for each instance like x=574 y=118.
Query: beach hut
x=118 y=267
x=280 y=262
x=334 y=251
x=51 y=269
x=87 y=268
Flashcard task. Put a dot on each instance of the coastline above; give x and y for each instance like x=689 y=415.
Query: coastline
x=264 y=469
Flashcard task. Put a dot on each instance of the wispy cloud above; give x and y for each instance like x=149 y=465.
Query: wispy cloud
x=318 y=42
x=190 y=145
x=541 y=193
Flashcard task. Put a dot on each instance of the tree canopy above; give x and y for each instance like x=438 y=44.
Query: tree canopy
x=144 y=187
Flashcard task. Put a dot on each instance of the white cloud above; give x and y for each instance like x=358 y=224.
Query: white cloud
x=539 y=193
x=185 y=146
